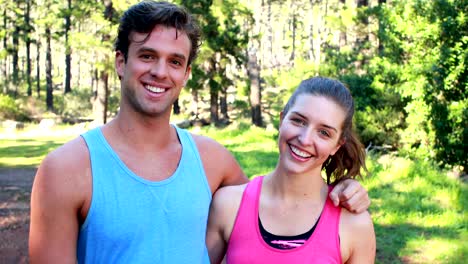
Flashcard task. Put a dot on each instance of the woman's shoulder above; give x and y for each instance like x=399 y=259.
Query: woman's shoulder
x=356 y=220
x=358 y=248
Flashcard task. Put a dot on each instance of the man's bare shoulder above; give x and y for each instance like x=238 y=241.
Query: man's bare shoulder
x=226 y=203
x=220 y=166
x=230 y=193
x=65 y=169
x=71 y=156
x=208 y=145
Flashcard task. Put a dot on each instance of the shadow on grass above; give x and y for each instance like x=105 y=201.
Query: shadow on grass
x=17 y=152
x=418 y=201
x=392 y=239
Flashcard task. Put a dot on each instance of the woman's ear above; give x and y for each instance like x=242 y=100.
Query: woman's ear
x=340 y=143
x=281 y=118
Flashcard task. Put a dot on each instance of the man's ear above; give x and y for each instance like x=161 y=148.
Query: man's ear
x=188 y=71
x=119 y=63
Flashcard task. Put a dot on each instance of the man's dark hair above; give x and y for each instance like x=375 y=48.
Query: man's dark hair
x=144 y=16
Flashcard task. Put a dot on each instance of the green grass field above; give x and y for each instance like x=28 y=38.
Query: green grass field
x=419 y=212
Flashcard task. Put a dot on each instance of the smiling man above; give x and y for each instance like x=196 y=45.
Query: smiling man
x=138 y=189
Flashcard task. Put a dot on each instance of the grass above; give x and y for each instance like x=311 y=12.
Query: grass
x=419 y=213
x=27 y=147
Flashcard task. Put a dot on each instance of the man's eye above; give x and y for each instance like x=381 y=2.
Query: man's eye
x=146 y=57
x=176 y=62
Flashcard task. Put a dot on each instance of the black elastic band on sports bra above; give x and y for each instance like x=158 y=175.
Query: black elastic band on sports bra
x=285 y=242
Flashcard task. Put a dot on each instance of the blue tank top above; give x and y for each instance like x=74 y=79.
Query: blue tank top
x=133 y=220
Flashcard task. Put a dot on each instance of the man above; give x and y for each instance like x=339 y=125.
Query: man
x=137 y=190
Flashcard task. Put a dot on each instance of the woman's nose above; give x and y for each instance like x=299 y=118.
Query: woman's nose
x=306 y=138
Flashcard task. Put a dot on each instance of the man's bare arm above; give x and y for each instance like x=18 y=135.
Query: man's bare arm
x=351 y=195
x=58 y=195
x=221 y=167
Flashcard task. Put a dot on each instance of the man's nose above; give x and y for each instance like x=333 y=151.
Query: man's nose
x=159 y=69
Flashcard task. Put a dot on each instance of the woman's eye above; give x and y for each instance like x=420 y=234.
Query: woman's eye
x=325 y=133
x=298 y=121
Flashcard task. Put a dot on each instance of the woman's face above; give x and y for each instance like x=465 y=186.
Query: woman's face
x=309 y=133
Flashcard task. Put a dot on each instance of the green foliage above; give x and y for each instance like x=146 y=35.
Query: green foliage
x=75 y=104
x=448 y=82
x=12 y=109
x=8 y=107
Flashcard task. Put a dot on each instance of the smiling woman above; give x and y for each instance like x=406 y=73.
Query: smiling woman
x=286 y=216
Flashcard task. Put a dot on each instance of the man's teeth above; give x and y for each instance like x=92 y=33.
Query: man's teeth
x=300 y=153
x=155 y=89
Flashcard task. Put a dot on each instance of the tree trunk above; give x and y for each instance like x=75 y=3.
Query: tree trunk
x=176 y=107
x=38 y=68
x=15 y=48
x=253 y=71
x=103 y=85
x=381 y=32
x=28 y=45
x=101 y=99
x=68 y=49
x=195 y=103
x=223 y=104
x=5 y=47
x=343 y=32
x=49 y=95
x=362 y=37
x=271 y=55
x=214 y=118
x=294 y=28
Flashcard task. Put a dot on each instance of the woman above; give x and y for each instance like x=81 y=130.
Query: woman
x=285 y=216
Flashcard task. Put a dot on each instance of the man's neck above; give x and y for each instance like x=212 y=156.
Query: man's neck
x=142 y=132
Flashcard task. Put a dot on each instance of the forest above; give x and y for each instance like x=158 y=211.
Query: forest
x=405 y=62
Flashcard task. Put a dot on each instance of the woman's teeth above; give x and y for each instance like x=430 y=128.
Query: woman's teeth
x=300 y=153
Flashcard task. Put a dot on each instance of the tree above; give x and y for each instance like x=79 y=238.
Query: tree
x=27 y=39
x=67 y=13
x=224 y=43
x=101 y=102
x=447 y=93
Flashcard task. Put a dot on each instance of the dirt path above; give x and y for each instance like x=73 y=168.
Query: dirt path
x=15 y=191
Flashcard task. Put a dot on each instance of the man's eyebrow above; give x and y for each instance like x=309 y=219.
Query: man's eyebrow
x=151 y=50
x=303 y=116
x=146 y=49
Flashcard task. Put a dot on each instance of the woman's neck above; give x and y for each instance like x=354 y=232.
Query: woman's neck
x=286 y=186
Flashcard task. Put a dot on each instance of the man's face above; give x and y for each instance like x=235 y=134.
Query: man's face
x=155 y=70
